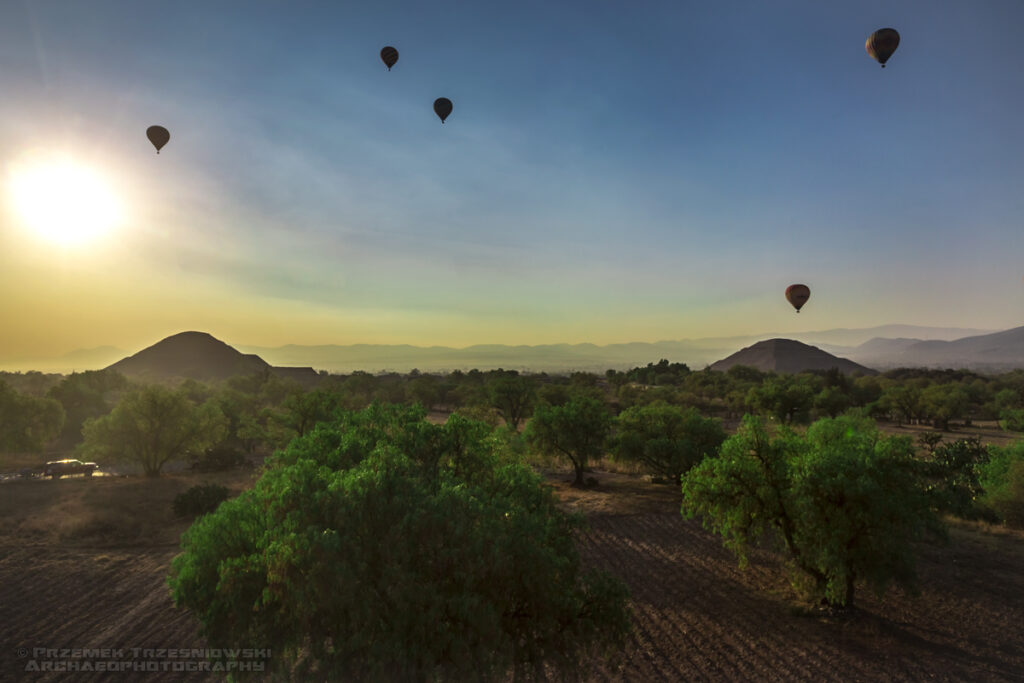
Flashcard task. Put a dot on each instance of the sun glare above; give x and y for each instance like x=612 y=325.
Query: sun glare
x=63 y=201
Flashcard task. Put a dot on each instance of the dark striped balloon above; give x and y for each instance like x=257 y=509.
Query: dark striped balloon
x=390 y=56
x=798 y=295
x=881 y=44
x=442 y=107
x=159 y=136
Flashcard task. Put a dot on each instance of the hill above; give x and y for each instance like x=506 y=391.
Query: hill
x=195 y=355
x=788 y=355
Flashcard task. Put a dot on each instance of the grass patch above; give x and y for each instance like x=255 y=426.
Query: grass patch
x=103 y=510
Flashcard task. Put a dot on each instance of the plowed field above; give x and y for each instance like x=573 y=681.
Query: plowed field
x=698 y=617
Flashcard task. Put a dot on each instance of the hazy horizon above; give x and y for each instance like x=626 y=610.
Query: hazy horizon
x=608 y=174
x=696 y=351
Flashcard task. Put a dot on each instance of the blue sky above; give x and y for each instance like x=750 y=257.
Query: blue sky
x=611 y=172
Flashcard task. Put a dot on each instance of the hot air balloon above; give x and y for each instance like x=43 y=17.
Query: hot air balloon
x=158 y=135
x=881 y=44
x=390 y=56
x=798 y=295
x=442 y=107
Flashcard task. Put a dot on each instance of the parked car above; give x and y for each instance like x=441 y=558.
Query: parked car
x=58 y=468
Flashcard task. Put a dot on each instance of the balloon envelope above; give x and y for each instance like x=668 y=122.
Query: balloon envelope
x=442 y=107
x=390 y=56
x=881 y=44
x=158 y=135
x=798 y=295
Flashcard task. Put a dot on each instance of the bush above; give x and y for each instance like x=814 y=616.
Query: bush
x=1003 y=481
x=199 y=500
x=217 y=459
x=954 y=469
x=485 y=414
x=1011 y=420
x=387 y=548
x=1008 y=500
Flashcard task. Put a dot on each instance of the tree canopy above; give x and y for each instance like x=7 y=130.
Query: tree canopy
x=576 y=430
x=667 y=439
x=151 y=426
x=382 y=547
x=844 y=502
x=27 y=422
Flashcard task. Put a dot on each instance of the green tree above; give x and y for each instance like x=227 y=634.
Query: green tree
x=27 y=423
x=668 y=439
x=513 y=395
x=865 y=391
x=1011 y=420
x=832 y=401
x=85 y=395
x=555 y=394
x=577 y=430
x=955 y=472
x=930 y=441
x=241 y=412
x=1002 y=479
x=943 y=403
x=746 y=373
x=151 y=426
x=489 y=416
x=425 y=390
x=302 y=410
x=661 y=373
x=904 y=401
x=787 y=398
x=843 y=502
x=360 y=560
x=1006 y=399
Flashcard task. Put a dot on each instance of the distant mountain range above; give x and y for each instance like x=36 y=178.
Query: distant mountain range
x=880 y=348
x=697 y=353
x=996 y=352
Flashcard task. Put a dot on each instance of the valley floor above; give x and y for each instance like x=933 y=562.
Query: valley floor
x=698 y=617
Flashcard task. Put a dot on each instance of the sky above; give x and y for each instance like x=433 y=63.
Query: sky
x=611 y=172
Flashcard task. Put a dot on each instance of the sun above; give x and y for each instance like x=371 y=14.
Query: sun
x=63 y=201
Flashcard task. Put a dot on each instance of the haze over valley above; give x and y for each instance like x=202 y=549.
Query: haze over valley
x=930 y=347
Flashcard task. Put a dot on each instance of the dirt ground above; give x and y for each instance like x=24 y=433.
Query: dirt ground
x=83 y=565
x=699 y=617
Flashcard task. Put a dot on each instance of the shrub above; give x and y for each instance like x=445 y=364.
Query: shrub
x=199 y=500
x=217 y=459
x=485 y=414
x=954 y=469
x=1002 y=479
x=1011 y=420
